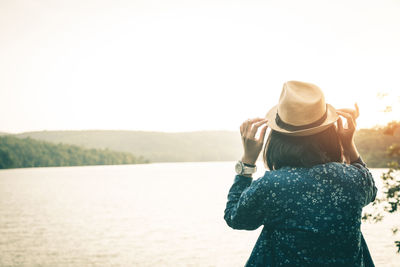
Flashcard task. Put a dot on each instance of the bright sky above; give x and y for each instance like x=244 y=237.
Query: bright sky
x=182 y=65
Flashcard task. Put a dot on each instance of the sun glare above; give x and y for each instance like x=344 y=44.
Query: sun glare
x=174 y=66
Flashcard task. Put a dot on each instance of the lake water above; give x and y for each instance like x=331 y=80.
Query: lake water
x=134 y=215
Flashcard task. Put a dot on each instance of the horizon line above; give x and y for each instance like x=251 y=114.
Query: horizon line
x=377 y=126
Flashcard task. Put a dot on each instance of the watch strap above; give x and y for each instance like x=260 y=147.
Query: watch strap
x=249 y=165
x=243 y=169
x=249 y=169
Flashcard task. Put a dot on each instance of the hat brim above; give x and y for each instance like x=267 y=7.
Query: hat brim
x=331 y=118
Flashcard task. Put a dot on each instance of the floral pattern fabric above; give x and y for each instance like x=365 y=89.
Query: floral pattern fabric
x=310 y=216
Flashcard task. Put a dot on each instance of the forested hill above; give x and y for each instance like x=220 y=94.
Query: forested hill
x=373 y=145
x=197 y=146
x=155 y=146
x=26 y=152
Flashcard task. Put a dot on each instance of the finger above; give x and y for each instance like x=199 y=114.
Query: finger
x=349 y=119
x=241 y=132
x=256 y=119
x=354 y=112
x=340 y=124
x=262 y=133
x=251 y=121
x=249 y=124
x=352 y=123
x=245 y=127
x=357 y=110
x=343 y=113
x=255 y=127
x=347 y=110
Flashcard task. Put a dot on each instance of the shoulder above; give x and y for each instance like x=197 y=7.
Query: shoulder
x=332 y=170
x=335 y=167
x=353 y=173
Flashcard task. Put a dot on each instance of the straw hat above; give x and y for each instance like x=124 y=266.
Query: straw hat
x=301 y=110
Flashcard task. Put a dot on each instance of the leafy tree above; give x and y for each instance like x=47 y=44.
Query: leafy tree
x=389 y=202
x=27 y=152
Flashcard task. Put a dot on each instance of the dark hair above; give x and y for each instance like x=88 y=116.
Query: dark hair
x=302 y=151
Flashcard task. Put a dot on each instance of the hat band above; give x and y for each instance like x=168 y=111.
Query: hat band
x=290 y=127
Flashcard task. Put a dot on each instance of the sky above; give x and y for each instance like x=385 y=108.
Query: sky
x=187 y=65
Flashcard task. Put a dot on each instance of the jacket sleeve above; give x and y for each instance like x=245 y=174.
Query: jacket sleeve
x=244 y=210
x=367 y=183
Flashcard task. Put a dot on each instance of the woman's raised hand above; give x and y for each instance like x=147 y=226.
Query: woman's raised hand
x=346 y=134
x=353 y=112
x=252 y=146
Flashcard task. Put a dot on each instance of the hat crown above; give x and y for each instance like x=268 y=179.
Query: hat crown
x=301 y=103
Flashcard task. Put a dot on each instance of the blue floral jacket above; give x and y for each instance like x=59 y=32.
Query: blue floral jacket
x=311 y=216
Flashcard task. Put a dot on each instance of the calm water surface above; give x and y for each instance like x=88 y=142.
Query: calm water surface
x=133 y=215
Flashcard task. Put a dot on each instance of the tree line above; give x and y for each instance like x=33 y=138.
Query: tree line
x=26 y=152
x=373 y=145
x=389 y=201
x=193 y=146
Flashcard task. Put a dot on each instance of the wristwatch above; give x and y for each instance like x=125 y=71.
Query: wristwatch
x=242 y=168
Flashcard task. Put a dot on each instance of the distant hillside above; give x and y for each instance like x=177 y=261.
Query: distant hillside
x=196 y=146
x=26 y=152
x=3 y=133
x=155 y=146
x=373 y=144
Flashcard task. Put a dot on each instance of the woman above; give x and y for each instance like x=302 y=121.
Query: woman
x=309 y=201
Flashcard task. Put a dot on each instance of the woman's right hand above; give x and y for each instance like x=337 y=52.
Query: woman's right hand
x=346 y=134
x=252 y=146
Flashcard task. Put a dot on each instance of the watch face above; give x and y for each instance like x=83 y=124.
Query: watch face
x=238 y=168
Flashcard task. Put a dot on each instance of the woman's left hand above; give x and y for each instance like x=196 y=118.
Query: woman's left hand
x=252 y=146
x=353 y=112
x=346 y=134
